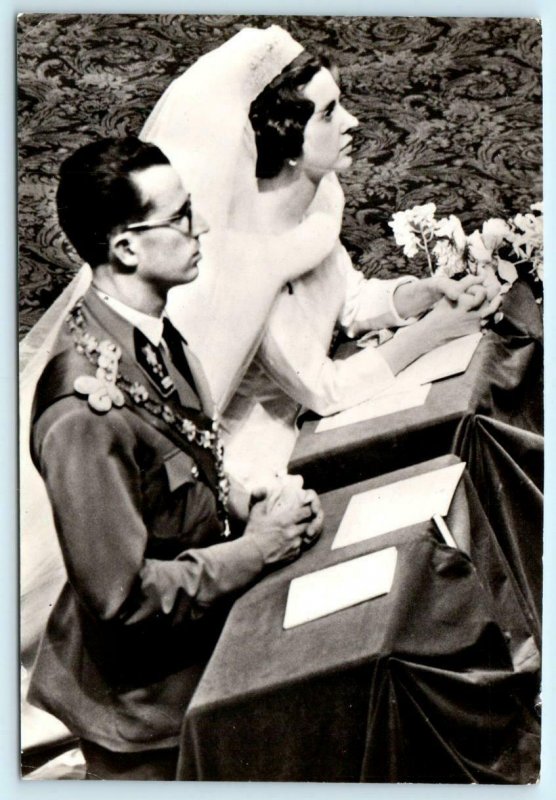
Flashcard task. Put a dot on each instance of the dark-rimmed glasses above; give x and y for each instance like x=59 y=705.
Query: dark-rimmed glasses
x=176 y=221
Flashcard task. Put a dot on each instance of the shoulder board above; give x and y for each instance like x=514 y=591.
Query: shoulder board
x=57 y=380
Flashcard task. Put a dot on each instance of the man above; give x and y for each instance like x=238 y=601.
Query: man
x=123 y=437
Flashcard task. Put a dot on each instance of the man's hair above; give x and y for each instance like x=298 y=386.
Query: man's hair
x=280 y=113
x=96 y=193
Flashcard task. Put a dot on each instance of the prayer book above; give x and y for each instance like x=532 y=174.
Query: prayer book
x=398 y=505
x=340 y=586
x=395 y=399
x=449 y=359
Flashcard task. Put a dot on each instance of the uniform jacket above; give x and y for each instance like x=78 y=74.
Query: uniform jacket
x=149 y=573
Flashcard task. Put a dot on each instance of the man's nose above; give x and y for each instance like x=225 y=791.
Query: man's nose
x=200 y=226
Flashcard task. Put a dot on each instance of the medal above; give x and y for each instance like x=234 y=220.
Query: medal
x=101 y=394
x=149 y=358
x=108 y=388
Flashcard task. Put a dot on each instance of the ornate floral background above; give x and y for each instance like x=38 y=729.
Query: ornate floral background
x=450 y=112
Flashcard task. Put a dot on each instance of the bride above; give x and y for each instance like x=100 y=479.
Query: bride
x=295 y=136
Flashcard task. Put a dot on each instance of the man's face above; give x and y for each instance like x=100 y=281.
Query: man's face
x=168 y=255
x=326 y=143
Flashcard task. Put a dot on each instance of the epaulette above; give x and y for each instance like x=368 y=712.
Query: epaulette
x=57 y=381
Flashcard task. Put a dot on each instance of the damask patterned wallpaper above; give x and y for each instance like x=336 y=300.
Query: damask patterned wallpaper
x=450 y=112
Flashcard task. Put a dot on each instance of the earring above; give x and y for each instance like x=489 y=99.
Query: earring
x=292 y=162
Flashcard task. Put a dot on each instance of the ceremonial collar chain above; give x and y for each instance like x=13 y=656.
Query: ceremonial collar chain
x=109 y=387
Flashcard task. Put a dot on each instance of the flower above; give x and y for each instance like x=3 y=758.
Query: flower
x=478 y=253
x=451 y=228
x=494 y=232
x=404 y=235
x=449 y=260
x=478 y=249
x=409 y=225
x=527 y=234
x=449 y=250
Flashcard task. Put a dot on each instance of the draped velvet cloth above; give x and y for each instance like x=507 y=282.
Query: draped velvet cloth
x=503 y=444
x=434 y=682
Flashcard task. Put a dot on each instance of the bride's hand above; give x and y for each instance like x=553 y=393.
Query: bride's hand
x=472 y=291
x=485 y=296
x=448 y=287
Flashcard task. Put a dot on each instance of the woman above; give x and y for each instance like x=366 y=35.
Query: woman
x=302 y=136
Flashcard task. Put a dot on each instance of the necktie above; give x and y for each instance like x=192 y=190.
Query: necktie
x=175 y=343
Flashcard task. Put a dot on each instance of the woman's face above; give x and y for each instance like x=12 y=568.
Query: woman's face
x=326 y=143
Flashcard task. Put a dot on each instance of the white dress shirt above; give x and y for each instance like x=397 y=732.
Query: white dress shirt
x=151 y=327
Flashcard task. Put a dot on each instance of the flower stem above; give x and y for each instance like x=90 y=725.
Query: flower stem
x=424 y=238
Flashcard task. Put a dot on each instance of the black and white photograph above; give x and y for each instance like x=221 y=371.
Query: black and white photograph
x=281 y=425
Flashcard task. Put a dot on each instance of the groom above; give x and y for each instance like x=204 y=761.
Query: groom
x=123 y=436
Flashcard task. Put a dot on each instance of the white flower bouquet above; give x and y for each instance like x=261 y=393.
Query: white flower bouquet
x=501 y=251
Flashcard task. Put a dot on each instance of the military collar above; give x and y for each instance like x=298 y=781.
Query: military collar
x=151 y=327
x=105 y=318
x=122 y=331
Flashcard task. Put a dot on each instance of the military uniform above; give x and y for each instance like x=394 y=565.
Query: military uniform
x=132 y=471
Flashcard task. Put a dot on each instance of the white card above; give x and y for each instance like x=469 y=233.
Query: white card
x=386 y=403
x=340 y=586
x=448 y=359
x=397 y=505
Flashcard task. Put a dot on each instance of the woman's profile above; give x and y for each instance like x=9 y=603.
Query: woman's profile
x=201 y=123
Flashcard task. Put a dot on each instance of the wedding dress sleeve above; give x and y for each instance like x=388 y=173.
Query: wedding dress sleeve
x=294 y=349
x=369 y=302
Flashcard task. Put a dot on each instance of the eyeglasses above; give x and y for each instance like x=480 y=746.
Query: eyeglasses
x=176 y=221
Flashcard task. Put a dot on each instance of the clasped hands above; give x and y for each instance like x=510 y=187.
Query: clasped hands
x=479 y=293
x=284 y=518
x=454 y=309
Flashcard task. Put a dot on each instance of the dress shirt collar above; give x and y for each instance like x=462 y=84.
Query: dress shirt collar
x=151 y=327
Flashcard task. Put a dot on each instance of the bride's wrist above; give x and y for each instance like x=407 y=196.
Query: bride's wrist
x=406 y=346
x=434 y=289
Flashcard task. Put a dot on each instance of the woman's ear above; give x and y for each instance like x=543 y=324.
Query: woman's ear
x=122 y=248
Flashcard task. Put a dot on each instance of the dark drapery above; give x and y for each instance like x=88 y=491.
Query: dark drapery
x=434 y=682
x=510 y=385
x=503 y=444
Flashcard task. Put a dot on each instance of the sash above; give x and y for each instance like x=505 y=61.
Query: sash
x=57 y=382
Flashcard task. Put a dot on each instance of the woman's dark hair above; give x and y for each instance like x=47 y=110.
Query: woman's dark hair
x=280 y=113
x=96 y=193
